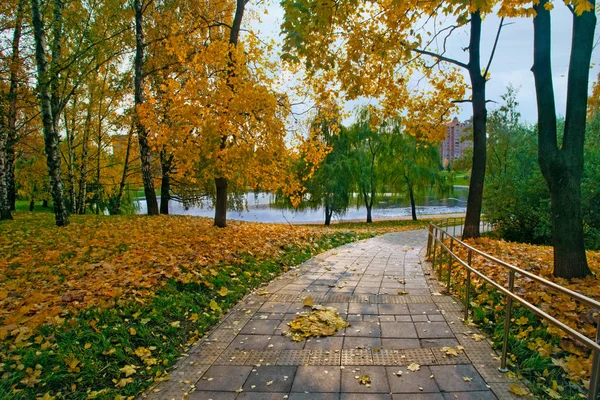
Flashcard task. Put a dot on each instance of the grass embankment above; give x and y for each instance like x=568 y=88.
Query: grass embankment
x=101 y=308
x=558 y=366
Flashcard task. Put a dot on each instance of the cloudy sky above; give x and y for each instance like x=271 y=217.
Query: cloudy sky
x=513 y=59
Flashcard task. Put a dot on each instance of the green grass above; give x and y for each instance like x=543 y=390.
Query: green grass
x=22 y=206
x=461 y=178
x=82 y=355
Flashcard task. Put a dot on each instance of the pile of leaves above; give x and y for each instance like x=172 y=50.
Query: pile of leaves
x=321 y=321
x=541 y=352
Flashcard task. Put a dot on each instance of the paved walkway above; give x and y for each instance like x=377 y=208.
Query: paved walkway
x=247 y=358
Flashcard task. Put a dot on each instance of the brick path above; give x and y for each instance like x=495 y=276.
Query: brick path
x=246 y=358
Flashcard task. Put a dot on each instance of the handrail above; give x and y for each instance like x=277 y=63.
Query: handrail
x=433 y=240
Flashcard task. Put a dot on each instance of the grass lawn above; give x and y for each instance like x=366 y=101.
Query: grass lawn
x=103 y=307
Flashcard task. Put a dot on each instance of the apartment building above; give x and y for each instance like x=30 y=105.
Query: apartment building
x=458 y=139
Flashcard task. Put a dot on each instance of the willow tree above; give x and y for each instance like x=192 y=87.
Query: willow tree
x=413 y=166
x=562 y=164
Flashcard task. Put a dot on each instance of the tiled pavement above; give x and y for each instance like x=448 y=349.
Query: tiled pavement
x=247 y=358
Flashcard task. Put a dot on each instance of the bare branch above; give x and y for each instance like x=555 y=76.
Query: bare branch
x=441 y=58
x=489 y=64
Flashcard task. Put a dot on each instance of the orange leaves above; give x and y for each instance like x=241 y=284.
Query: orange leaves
x=571 y=357
x=95 y=260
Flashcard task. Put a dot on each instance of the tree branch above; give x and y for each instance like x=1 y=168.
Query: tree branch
x=487 y=68
x=441 y=58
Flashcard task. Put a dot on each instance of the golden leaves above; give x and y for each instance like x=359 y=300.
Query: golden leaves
x=128 y=370
x=321 y=321
x=414 y=367
x=572 y=358
x=97 y=260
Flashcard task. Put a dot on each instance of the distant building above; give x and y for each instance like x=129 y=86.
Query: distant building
x=458 y=139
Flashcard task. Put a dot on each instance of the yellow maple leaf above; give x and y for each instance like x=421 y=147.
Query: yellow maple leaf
x=518 y=389
x=414 y=367
x=128 y=370
x=223 y=291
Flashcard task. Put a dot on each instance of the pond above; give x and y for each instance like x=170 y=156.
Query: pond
x=261 y=209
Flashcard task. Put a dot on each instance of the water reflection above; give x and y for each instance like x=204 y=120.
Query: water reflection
x=261 y=209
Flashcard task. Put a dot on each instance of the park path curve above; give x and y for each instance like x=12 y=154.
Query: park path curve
x=246 y=357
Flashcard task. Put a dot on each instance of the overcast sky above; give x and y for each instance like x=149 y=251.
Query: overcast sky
x=513 y=59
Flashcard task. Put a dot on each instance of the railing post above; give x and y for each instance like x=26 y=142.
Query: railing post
x=434 y=248
x=442 y=234
x=429 y=240
x=454 y=227
x=511 y=286
x=468 y=285
x=595 y=378
x=449 y=267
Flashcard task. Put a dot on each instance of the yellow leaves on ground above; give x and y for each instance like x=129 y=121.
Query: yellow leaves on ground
x=414 y=367
x=519 y=390
x=128 y=370
x=321 y=321
x=45 y=270
x=308 y=302
x=539 y=261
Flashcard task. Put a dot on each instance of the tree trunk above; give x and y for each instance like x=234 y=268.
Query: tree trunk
x=71 y=157
x=98 y=159
x=328 y=214
x=165 y=187
x=31 y=205
x=4 y=206
x=82 y=195
x=413 y=205
x=221 y=203
x=45 y=203
x=151 y=201
x=369 y=217
x=221 y=182
x=12 y=109
x=562 y=168
x=10 y=176
x=475 y=196
x=51 y=138
x=117 y=208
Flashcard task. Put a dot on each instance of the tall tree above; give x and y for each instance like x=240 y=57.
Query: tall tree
x=140 y=45
x=48 y=97
x=12 y=137
x=369 y=45
x=413 y=166
x=368 y=144
x=562 y=166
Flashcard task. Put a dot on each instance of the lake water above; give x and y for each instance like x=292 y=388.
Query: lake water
x=260 y=209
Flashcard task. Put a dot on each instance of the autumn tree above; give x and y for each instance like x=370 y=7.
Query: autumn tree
x=77 y=29
x=368 y=44
x=9 y=105
x=217 y=114
x=139 y=97
x=562 y=164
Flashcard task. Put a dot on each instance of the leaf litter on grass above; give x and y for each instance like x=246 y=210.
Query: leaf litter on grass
x=321 y=321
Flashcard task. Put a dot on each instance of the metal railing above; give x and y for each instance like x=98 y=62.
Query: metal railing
x=437 y=235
